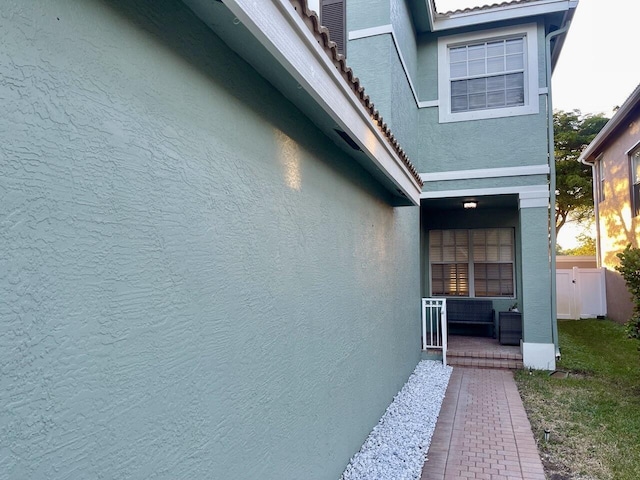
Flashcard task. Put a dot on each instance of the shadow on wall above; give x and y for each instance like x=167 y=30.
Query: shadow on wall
x=616 y=218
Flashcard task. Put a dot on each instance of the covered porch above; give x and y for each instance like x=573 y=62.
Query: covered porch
x=487 y=254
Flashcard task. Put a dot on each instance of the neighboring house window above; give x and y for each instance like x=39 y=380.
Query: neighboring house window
x=333 y=16
x=472 y=263
x=488 y=74
x=635 y=181
x=601 y=178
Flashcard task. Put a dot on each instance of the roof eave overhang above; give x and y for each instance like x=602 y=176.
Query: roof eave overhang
x=590 y=153
x=277 y=26
x=448 y=21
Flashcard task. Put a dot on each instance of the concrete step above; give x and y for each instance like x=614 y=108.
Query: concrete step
x=478 y=362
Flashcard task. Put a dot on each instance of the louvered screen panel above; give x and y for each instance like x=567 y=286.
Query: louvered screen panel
x=333 y=16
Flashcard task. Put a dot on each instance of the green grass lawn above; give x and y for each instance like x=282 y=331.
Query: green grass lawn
x=594 y=414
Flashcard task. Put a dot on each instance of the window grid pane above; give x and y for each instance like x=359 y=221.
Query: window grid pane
x=492 y=257
x=487 y=75
x=450 y=279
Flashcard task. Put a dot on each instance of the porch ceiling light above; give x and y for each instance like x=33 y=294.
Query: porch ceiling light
x=470 y=204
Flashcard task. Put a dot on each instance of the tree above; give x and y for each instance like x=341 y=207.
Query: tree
x=587 y=246
x=629 y=268
x=574 y=188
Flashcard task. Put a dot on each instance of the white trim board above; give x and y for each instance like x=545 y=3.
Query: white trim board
x=486 y=173
x=536 y=191
x=281 y=30
x=539 y=356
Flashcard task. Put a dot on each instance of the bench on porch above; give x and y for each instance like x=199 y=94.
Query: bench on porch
x=473 y=312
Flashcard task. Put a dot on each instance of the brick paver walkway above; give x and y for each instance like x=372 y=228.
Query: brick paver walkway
x=483 y=431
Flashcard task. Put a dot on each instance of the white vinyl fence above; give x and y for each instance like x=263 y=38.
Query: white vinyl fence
x=581 y=293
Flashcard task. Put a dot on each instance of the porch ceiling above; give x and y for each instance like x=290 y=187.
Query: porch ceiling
x=484 y=202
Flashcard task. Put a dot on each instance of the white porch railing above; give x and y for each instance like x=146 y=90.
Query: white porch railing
x=434 y=325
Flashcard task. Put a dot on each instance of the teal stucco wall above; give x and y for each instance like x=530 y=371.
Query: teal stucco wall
x=194 y=281
x=377 y=61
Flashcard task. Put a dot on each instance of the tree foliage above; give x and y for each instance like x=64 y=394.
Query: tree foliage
x=629 y=268
x=586 y=247
x=574 y=188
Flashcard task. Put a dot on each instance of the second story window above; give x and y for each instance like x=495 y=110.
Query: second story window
x=635 y=181
x=488 y=74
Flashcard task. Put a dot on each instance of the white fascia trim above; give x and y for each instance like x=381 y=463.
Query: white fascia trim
x=279 y=28
x=504 y=12
x=388 y=30
x=541 y=202
x=534 y=199
x=535 y=190
x=428 y=104
x=539 y=356
x=371 y=32
x=531 y=106
x=486 y=173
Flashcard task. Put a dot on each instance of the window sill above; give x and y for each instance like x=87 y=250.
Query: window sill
x=448 y=117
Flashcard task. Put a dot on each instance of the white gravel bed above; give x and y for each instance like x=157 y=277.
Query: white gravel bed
x=397 y=446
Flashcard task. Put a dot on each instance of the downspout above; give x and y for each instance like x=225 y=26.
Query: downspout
x=596 y=212
x=552 y=188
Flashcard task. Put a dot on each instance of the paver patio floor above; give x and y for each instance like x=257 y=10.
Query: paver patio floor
x=483 y=431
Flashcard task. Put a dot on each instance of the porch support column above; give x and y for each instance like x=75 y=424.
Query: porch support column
x=538 y=348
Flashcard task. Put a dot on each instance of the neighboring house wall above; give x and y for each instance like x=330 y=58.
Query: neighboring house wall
x=616 y=221
x=616 y=224
x=619 y=300
x=195 y=283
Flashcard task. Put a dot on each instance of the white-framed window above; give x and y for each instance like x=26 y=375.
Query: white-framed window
x=488 y=74
x=472 y=263
x=635 y=181
x=601 y=178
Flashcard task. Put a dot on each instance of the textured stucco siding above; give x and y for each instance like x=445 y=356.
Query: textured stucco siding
x=367 y=14
x=405 y=35
x=536 y=271
x=194 y=282
x=390 y=91
x=488 y=143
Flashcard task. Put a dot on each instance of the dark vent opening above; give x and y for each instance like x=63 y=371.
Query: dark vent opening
x=348 y=140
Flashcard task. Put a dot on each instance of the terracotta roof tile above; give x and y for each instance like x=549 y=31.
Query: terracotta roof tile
x=483 y=7
x=321 y=33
